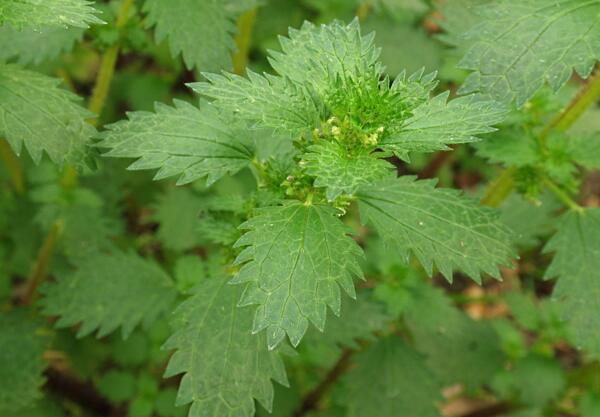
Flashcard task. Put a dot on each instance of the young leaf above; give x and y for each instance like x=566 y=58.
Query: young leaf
x=321 y=56
x=34 y=13
x=390 y=380
x=21 y=363
x=225 y=366
x=107 y=291
x=180 y=140
x=295 y=259
x=23 y=45
x=341 y=173
x=36 y=112
x=439 y=226
x=268 y=101
x=576 y=263
x=438 y=122
x=520 y=46
x=200 y=30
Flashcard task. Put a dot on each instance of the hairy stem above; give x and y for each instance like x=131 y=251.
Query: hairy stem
x=500 y=188
x=562 y=195
x=310 y=402
x=245 y=24
x=38 y=272
x=11 y=162
x=107 y=65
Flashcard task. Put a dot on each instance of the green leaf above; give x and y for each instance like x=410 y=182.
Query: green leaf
x=268 y=101
x=180 y=140
x=225 y=366
x=520 y=46
x=362 y=318
x=43 y=408
x=107 y=291
x=295 y=258
x=390 y=379
x=36 y=112
x=589 y=406
x=177 y=213
x=200 y=30
x=342 y=173
x=439 y=226
x=458 y=349
x=23 y=45
x=585 y=150
x=576 y=263
x=320 y=56
x=35 y=13
x=535 y=380
x=21 y=364
x=437 y=123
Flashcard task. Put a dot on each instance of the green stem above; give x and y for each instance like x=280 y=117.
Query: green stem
x=101 y=86
x=107 y=65
x=500 y=188
x=245 y=24
x=38 y=272
x=259 y=172
x=585 y=97
x=363 y=10
x=562 y=195
x=12 y=166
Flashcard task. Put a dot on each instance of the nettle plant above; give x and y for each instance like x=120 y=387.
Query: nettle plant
x=299 y=236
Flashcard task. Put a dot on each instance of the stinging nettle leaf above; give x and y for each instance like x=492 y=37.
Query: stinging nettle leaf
x=439 y=226
x=390 y=379
x=226 y=367
x=457 y=348
x=341 y=173
x=295 y=258
x=34 y=111
x=200 y=30
x=319 y=56
x=23 y=342
x=576 y=263
x=437 y=123
x=35 y=13
x=23 y=45
x=518 y=46
x=181 y=140
x=107 y=291
x=267 y=101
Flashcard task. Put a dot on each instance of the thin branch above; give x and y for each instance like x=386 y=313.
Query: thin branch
x=311 y=400
x=245 y=24
x=562 y=195
x=500 y=188
x=38 y=272
x=11 y=162
x=585 y=97
x=363 y=10
x=80 y=392
x=107 y=66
